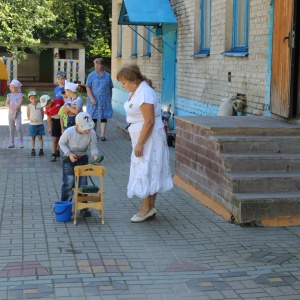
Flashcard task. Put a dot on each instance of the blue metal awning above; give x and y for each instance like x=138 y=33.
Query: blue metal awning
x=147 y=13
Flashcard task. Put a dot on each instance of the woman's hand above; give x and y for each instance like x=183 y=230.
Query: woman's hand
x=138 y=150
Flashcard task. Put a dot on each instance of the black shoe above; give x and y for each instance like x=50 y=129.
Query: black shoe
x=85 y=212
x=103 y=139
x=53 y=158
x=57 y=153
x=33 y=152
x=41 y=152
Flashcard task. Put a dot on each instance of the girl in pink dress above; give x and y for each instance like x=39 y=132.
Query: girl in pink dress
x=13 y=102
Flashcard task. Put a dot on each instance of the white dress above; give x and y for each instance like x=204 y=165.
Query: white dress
x=151 y=173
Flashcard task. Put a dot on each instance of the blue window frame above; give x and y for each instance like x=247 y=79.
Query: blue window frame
x=205 y=26
x=148 y=41
x=120 y=46
x=240 y=30
x=134 y=52
x=204 y=29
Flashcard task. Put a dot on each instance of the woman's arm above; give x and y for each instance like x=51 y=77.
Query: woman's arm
x=149 y=119
x=90 y=95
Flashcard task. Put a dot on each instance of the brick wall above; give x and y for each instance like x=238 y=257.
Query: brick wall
x=205 y=80
x=150 y=66
x=198 y=164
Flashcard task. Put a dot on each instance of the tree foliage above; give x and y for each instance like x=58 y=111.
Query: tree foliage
x=18 y=21
x=28 y=22
x=82 y=20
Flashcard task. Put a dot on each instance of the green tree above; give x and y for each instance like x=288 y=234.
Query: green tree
x=18 y=21
x=82 y=20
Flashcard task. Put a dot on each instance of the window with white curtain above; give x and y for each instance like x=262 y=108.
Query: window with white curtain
x=240 y=28
x=202 y=27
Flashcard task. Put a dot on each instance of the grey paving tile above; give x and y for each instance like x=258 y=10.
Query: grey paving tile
x=187 y=252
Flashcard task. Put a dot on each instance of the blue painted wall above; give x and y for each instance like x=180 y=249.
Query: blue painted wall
x=183 y=106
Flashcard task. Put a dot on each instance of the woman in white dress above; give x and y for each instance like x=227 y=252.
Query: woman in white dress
x=150 y=164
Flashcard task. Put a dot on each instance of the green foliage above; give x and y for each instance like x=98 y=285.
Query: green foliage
x=18 y=21
x=26 y=22
x=80 y=20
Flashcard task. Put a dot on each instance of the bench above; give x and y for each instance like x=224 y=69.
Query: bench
x=26 y=77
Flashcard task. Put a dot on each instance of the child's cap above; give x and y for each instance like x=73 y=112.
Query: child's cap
x=32 y=93
x=44 y=99
x=71 y=86
x=16 y=83
x=61 y=74
x=84 y=121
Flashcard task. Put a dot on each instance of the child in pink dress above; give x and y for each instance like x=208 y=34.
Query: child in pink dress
x=14 y=102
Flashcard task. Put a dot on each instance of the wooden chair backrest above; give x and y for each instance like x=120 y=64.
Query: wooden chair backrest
x=89 y=170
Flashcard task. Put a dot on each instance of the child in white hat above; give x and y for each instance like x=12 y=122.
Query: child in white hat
x=73 y=104
x=75 y=142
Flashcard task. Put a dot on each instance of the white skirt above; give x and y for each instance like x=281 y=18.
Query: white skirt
x=151 y=173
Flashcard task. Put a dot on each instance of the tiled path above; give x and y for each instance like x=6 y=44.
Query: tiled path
x=187 y=252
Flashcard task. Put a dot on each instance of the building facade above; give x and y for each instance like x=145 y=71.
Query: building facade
x=54 y=56
x=215 y=50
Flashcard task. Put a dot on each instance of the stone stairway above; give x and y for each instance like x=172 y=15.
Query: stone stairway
x=263 y=175
x=248 y=165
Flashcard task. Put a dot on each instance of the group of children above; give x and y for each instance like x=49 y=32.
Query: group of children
x=71 y=128
x=61 y=111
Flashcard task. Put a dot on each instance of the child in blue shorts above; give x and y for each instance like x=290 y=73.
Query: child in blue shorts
x=35 y=115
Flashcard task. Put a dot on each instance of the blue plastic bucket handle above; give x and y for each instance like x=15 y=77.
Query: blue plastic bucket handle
x=63 y=215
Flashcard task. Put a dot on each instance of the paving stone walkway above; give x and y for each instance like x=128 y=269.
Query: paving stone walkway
x=186 y=252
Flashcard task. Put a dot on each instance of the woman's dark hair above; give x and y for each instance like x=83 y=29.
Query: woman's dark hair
x=132 y=73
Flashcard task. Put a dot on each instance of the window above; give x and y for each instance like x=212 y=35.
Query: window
x=147 y=42
x=237 y=28
x=202 y=28
x=240 y=25
x=134 y=44
x=205 y=25
x=119 y=37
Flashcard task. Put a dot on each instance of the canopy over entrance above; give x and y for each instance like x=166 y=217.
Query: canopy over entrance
x=152 y=13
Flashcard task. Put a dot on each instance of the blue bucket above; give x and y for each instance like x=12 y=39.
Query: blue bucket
x=63 y=211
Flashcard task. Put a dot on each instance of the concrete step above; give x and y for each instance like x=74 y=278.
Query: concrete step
x=256 y=206
x=249 y=182
x=272 y=144
x=249 y=161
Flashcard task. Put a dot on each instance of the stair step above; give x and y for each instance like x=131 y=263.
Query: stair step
x=273 y=144
x=247 y=182
x=257 y=161
x=255 y=206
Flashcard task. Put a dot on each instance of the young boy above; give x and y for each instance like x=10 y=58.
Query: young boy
x=75 y=142
x=35 y=115
x=73 y=104
x=58 y=91
x=52 y=107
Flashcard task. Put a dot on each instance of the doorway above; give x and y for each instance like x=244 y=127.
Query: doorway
x=285 y=98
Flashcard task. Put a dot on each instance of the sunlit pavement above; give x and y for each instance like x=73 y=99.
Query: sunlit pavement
x=186 y=252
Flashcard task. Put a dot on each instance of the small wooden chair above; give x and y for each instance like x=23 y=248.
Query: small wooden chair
x=88 y=200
